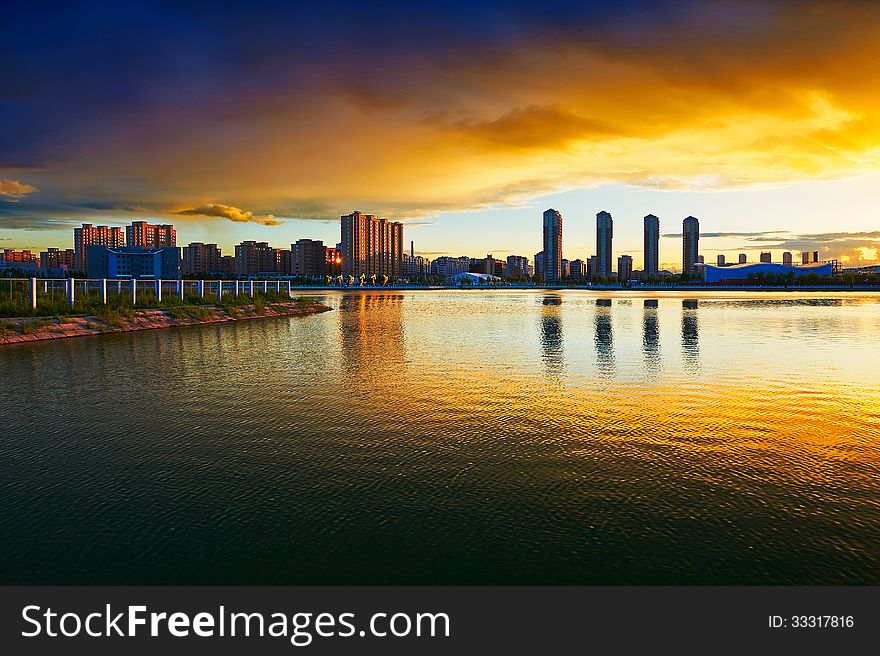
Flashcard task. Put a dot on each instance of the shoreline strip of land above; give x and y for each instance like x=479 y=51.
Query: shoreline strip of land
x=22 y=330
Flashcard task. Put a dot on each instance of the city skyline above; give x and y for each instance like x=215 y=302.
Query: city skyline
x=465 y=138
x=372 y=245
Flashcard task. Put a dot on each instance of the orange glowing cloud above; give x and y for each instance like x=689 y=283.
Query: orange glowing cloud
x=724 y=95
x=232 y=213
x=15 y=189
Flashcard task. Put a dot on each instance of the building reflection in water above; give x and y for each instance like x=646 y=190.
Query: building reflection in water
x=552 y=351
x=372 y=335
x=690 y=335
x=604 y=338
x=651 y=336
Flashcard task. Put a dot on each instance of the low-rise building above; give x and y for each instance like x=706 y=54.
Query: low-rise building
x=134 y=262
x=469 y=278
x=624 y=267
x=744 y=271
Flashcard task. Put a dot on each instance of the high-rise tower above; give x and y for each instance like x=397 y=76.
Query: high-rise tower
x=652 y=246
x=690 y=251
x=371 y=245
x=604 y=235
x=552 y=245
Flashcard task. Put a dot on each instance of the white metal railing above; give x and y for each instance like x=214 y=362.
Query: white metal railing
x=103 y=289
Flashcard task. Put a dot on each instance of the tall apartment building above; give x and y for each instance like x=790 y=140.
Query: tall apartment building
x=517 y=266
x=253 y=258
x=149 y=235
x=539 y=263
x=652 y=246
x=449 y=266
x=308 y=258
x=89 y=235
x=578 y=269
x=604 y=237
x=787 y=258
x=201 y=259
x=56 y=258
x=552 y=269
x=766 y=257
x=720 y=260
x=12 y=256
x=371 y=245
x=743 y=258
x=690 y=245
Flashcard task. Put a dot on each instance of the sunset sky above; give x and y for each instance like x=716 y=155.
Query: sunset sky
x=464 y=120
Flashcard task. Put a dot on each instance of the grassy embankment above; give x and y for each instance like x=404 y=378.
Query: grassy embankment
x=119 y=312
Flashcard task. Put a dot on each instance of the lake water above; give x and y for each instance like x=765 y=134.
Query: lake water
x=455 y=437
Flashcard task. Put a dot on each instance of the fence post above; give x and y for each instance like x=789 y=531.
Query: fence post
x=104 y=291
x=252 y=288
x=220 y=289
x=236 y=289
x=265 y=286
x=288 y=288
x=134 y=291
x=159 y=289
x=33 y=293
x=180 y=289
x=71 y=284
x=202 y=288
x=277 y=285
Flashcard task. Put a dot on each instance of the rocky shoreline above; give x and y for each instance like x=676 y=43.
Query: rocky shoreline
x=33 y=329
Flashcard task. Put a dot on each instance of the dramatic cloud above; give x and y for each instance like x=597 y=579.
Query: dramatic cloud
x=15 y=189
x=231 y=213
